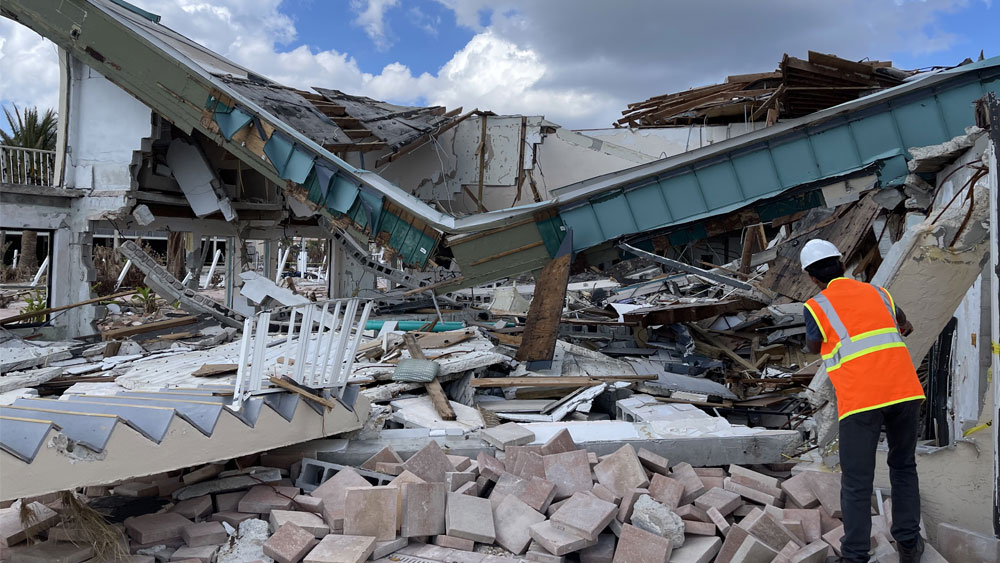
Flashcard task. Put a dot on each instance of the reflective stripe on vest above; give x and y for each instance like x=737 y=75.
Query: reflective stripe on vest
x=848 y=347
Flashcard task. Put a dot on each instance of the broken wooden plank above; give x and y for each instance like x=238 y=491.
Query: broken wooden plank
x=725 y=349
x=40 y=312
x=291 y=386
x=148 y=327
x=556 y=381
x=542 y=324
x=433 y=387
x=209 y=370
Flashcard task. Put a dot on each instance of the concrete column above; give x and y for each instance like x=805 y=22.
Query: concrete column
x=71 y=271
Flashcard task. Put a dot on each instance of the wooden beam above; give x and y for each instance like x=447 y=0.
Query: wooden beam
x=479 y=204
x=433 y=387
x=148 y=327
x=291 y=386
x=557 y=381
x=26 y=316
x=541 y=327
x=712 y=340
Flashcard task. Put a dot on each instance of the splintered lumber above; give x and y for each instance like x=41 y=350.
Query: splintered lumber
x=542 y=324
x=557 y=381
x=712 y=340
x=291 y=386
x=33 y=314
x=433 y=387
x=123 y=332
x=209 y=370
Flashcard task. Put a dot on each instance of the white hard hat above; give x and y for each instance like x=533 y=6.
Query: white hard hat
x=816 y=250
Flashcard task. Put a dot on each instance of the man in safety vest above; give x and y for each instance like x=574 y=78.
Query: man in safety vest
x=858 y=330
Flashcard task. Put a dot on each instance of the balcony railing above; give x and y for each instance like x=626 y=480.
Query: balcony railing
x=32 y=167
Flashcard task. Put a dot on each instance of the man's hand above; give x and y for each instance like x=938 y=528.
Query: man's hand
x=905 y=328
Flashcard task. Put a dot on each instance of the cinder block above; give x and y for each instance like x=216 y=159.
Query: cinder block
x=371 y=511
x=289 y=544
x=640 y=546
x=512 y=520
x=622 y=471
x=470 y=518
x=585 y=514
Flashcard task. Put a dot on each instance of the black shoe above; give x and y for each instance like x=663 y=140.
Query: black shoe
x=911 y=554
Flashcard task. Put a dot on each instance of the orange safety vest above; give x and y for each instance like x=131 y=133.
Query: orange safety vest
x=863 y=352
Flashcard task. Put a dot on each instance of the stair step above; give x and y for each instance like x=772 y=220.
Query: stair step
x=90 y=430
x=151 y=421
x=21 y=437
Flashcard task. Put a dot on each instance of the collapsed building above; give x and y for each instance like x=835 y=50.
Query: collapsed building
x=633 y=285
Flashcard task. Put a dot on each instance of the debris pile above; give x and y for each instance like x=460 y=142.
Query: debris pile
x=519 y=498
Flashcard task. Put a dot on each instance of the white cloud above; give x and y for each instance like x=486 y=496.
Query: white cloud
x=578 y=64
x=371 y=18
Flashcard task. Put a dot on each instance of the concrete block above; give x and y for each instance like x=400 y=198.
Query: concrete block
x=812 y=529
x=389 y=468
x=289 y=544
x=559 y=443
x=203 y=473
x=753 y=550
x=826 y=488
x=307 y=503
x=423 y=509
x=692 y=512
x=135 y=489
x=833 y=538
x=489 y=466
x=710 y=471
x=201 y=554
x=430 y=463
x=385 y=548
x=452 y=542
x=795 y=527
x=958 y=544
x=205 y=533
x=455 y=479
x=150 y=528
x=231 y=517
x=719 y=520
x=224 y=502
x=538 y=553
x=605 y=494
x=53 y=552
x=470 y=518
x=307 y=521
x=569 y=472
x=334 y=493
x=696 y=528
x=749 y=493
x=558 y=541
x=697 y=550
x=371 y=511
x=402 y=479
x=653 y=461
x=12 y=531
x=640 y=546
x=799 y=489
x=530 y=464
x=693 y=486
x=666 y=491
x=739 y=470
x=342 y=549
x=197 y=507
x=816 y=552
x=755 y=484
x=771 y=532
x=470 y=489
x=722 y=500
x=509 y=434
x=628 y=503
x=385 y=455
x=601 y=552
x=785 y=555
x=657 y=519
x=585 y=514
x=622 y=471
x=459 y=462
x=732 y=543
x=512 y=518
x=262 y=499
x=713 y=482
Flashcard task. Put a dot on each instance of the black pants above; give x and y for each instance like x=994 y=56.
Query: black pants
x=859 y=436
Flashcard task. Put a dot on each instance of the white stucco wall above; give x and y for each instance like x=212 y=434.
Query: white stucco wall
x=662 y=142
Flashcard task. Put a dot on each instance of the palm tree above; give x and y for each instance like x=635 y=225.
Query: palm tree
x=29 y=131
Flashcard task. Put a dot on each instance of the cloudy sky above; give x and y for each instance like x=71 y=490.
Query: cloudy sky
x=578 y=62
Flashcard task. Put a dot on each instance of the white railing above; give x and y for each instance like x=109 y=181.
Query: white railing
x=33 y=167
x=318 y=350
